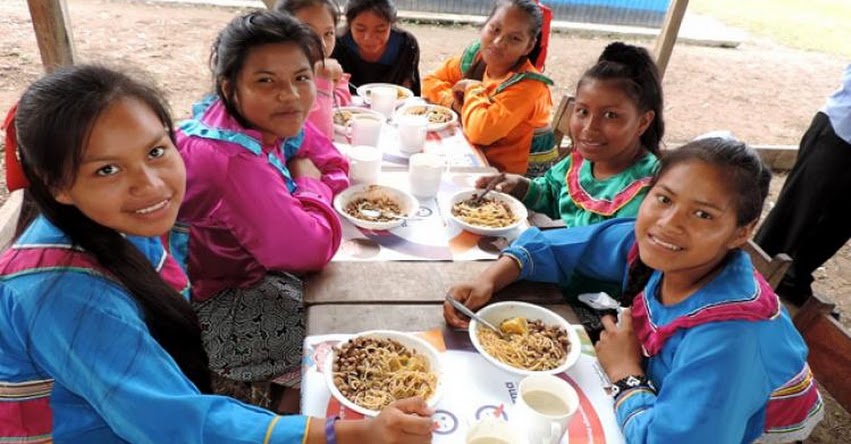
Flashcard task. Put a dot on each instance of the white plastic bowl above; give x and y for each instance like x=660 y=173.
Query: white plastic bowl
x=516 y=206
x=408 y=340
x=422 y=109
x=407 y=203
x=500 y=311
x=356 y=112
x=402 y=93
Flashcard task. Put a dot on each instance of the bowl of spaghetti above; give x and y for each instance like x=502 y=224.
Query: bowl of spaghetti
x=536 y=340
x=439 y=117
x=373 y=369
x=495 y=215
x=375 y=207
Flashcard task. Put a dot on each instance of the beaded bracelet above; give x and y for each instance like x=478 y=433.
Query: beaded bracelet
x=330 y=431
x=630 y=382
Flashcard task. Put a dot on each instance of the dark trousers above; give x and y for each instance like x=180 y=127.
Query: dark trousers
x=810 y=221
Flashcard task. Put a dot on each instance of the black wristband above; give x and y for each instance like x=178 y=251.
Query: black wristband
x=631 y=382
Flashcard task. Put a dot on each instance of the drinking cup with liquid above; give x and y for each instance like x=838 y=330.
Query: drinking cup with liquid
x=494 y=431
x=364 y=164
x=366 y=130
x=545 y=405
x=383 y=99
x=412 y=133
x=424 y=173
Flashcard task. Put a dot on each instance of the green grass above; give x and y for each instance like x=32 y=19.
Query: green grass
x=817 y=25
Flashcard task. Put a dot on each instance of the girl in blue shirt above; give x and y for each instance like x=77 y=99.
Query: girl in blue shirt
x=707 y=353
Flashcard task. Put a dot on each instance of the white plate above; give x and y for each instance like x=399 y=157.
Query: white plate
x=356 y=112
x=408 y=204
x=425 y=109
x=500 y=311
x=408 y=340
x=402 y=93
x=516 y=206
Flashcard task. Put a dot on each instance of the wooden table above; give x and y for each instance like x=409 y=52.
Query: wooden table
x=348 y=297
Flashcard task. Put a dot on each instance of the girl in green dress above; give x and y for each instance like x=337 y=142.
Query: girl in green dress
x=616 y=127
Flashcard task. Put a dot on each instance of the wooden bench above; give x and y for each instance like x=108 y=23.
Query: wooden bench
x=830 y=348
x=771 y=268
x=828 y=340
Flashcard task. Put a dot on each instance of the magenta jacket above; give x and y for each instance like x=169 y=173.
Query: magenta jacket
x=246 y=214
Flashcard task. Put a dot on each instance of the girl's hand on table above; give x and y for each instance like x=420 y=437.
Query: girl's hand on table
x=618 y=349
x=404 y=421
x=512 y=184
x=473 y=294
x=303 y=167
x=329 y=69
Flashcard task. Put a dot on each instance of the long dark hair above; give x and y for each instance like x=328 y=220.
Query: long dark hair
x=293 y=6
x=536 y=22
x=635 y=71
x=385 y=9
x=55 y=117
x=746 y=176
x=250 y=30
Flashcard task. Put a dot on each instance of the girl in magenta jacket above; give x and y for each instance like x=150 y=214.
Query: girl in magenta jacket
x=260 y=181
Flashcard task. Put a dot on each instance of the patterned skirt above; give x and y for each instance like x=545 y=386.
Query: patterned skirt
x=254 y=337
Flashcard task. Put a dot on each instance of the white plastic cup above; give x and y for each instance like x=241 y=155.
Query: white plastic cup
x=493 y=431
x=424 y=173
x=365 y=131
x=545 y=405
x=364 y=164
x=383 y=99
x=412 y=133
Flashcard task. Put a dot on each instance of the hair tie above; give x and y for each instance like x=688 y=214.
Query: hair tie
x=15 y=178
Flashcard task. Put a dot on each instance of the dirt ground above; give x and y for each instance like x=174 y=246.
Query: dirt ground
x=764 y=93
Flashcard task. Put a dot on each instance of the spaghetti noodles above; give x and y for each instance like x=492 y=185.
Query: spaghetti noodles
x=374 y=372
x=433 y=113
x=485 y=213
x=529 y=345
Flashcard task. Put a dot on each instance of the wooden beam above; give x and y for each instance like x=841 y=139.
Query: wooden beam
x=668 y=35
x=53 y=33
x=270 y=4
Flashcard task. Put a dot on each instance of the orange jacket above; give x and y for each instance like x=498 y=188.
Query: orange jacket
x=499 y=119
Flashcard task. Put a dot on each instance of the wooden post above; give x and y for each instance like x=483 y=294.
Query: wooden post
x=270 y=4
x=53 y=33
x=668 y=35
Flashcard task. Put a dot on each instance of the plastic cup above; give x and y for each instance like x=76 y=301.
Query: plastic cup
x=365 y=131
x=424 y=173
x=364 y=164
x=412 y=133
x=545 y=405
x=383 y=99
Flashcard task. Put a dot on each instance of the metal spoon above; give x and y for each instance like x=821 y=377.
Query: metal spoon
x=491 y=185
x=375 y=214
x=467 y=312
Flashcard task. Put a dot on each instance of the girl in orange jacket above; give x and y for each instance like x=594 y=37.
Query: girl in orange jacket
x=501 y=97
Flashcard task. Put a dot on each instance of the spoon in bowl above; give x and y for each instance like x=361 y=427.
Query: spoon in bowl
x=490 y=186
x=469 y=313
x=375 y=214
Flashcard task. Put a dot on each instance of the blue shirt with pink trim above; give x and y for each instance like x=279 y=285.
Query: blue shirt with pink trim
x=112 y=382
x=728 y=363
